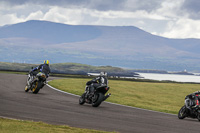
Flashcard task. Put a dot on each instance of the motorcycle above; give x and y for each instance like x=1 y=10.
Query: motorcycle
x=191 y=108
x=95 y=98
x=38 y=82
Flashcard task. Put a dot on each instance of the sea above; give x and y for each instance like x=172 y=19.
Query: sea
x=171 y=77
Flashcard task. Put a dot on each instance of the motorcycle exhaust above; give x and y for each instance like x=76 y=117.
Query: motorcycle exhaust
x=107 y=96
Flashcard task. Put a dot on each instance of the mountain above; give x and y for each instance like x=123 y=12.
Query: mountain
x=49 y=32
x=122 y=46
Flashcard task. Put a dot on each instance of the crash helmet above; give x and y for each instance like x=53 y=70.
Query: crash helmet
x=46 y=62
x=103 y=74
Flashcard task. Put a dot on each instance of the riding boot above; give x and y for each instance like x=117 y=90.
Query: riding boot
x=91 y=91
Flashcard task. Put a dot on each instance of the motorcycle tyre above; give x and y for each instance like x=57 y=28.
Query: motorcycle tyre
x=183 y=113
x=99 y=100
x=37 y=87
x=26 y=89
x=198 y=117
x=82 y=99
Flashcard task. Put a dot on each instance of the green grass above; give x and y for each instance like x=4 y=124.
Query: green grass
x=18 y=126
x=163 y=97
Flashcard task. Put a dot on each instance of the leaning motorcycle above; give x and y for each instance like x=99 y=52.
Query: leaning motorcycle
x=38 y=82
x=191 y=108
x=95 y=98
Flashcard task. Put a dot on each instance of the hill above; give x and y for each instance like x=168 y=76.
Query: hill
x=69 y=68
x=122 y=46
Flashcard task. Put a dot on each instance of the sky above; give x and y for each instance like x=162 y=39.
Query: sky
x=167 y=18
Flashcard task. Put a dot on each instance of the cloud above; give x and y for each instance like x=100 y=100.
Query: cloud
x=69 y=16
x=101 y=5
x=170 y=9
x=9 y=19
x=183 y=28
x=147 y=5
x=35 y=15
x=95 y=17
x=191 y=5
x=180 y=23
x=166 y=18
x=91 y=4
x=192 y=8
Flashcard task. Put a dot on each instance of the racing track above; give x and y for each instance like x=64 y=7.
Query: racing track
x=54 y=107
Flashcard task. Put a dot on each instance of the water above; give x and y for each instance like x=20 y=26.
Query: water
x=171 y=77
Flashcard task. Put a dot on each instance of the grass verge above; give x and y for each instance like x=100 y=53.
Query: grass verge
x=162 y=97
x=18 y=126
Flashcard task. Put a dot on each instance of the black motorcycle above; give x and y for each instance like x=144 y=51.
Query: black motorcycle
x=95 y=98
x=37 y=83
x=191 y=109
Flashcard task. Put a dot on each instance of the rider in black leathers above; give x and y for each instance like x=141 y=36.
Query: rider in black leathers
x=194 y=97
x=96 y=82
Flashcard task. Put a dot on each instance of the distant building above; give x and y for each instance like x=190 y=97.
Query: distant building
x=93 y=74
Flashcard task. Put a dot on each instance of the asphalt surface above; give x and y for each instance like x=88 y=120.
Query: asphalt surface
x=55 y=107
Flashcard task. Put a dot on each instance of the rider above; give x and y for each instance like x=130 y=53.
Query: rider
x=41 y=68
x=194 y=97
x=98 y=81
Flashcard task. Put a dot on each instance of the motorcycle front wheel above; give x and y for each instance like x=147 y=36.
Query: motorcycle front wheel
x=82 y=99
x=37 y=87
x=182 y=113
x=26 y=88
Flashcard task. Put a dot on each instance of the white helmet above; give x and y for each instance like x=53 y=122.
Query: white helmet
x=103 y=74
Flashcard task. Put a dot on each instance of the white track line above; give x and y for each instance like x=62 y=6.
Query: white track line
x=61 y=91
x=12 y=118
x=108 y=102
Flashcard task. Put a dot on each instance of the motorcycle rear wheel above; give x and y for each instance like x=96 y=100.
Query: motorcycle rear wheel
x=182 y=113
x=98 y=98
